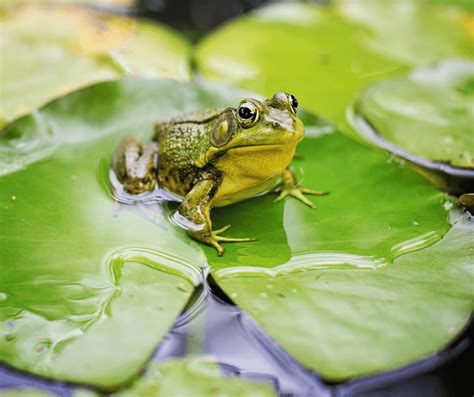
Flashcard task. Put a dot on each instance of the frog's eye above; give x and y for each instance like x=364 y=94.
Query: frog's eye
x=248 y=114
x=293 y=102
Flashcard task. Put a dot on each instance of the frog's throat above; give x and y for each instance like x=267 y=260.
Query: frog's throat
x=207 y=157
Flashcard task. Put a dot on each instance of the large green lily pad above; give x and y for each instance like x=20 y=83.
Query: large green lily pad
x=344 y=322
x=324 y=55
x=80 y=297
x=428 y=112
x=82 y=275
x=197 y=377
x=48 y=51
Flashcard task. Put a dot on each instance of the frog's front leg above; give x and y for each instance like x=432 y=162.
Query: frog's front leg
x=196 y=208
x=135 y=165
x=289 y=186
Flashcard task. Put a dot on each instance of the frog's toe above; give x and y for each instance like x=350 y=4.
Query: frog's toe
x=221 y=230
x=217 y=246
x=223 y=239
x=297 y=193
x=313 y=192
x=216 y=236
x=282 y=195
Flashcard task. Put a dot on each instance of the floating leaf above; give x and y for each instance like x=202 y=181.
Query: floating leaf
x=88 y=287
x=345 y=322
x=48 y=51
x=325 y=55
x=427 y=117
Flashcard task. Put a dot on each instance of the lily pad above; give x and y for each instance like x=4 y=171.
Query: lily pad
x=80 y=298
x=197 y=377
x=48 y=51
x=325 y=55
x=347 y=322
x=426 y=116
x=82 y=274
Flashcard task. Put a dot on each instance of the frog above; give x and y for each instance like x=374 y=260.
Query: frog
x=216 y=157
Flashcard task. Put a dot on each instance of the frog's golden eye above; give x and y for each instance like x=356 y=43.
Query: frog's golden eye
x=293 y=103
x=248 y=114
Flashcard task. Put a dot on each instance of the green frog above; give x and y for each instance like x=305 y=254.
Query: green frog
x=216 y=157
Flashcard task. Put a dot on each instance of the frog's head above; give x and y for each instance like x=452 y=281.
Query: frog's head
x=256 y=123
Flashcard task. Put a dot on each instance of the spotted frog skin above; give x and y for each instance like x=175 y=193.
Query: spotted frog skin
x=216 y=157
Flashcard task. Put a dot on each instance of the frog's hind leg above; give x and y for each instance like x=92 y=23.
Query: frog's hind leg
x=135 y=165
x=290 y=187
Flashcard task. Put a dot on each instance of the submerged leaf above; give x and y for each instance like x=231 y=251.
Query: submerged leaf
x=197 y=377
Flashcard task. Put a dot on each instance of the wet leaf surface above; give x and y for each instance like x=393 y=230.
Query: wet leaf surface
x=346 y=322
x=87 y=280
x=48 y=51
x=428 y=112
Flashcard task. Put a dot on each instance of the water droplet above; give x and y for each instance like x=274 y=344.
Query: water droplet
x=3 y=297
x=181 y=287
x=269 y=286
x=13 y=197
x=263 y=295
x=448 y=205
x=415 y=243
x=415 y=223
x=234 y=295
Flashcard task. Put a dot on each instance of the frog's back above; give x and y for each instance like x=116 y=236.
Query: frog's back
x=168 y=127
x=181 y=142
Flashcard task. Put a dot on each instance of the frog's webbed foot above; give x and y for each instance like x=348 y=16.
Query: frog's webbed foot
x=214 y=238
x=291 y=188
x=134 y=166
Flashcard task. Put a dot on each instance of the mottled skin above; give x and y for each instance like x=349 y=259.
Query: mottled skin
x=216 y=157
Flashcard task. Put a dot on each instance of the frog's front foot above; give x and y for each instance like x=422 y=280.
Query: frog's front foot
x=290 y=187
x=214 y=238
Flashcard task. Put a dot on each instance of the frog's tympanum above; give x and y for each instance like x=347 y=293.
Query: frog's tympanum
x=216 y=157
